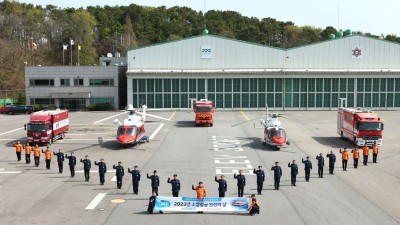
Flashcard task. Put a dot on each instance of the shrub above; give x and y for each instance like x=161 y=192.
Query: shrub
x=51 y=107
x=100 y=107
x=37 y=107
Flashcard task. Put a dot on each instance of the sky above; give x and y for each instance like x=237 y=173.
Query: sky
x=368 y=16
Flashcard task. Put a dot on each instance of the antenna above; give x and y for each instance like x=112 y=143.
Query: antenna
x=204 y=15
x=338 y=16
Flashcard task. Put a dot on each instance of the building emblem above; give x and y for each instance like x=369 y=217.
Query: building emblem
x=357 y=52
x=206 y=52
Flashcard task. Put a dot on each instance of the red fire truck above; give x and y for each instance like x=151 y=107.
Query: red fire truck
x=362 y=126
x=204 y=110
x=46 y=126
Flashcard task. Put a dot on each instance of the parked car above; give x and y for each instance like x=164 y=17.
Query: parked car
x=19 y=109
x=4 y=108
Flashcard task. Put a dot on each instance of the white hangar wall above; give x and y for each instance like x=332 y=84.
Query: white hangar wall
x=192 y=54
x=341 y=53
x=240 y=75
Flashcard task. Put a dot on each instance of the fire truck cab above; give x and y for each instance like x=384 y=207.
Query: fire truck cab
x=204 y=110
x=360 y=125
x=44 y=127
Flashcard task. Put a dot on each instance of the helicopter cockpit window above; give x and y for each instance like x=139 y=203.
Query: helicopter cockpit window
x=127 y=130
x=279 y=132
x=131 y=131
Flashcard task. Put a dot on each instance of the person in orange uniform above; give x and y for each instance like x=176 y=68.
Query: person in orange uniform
x=47 y=156
x=356 y=155
x=375 y=151
x=201 y=192
x=365 y=154
x=18 y=149
x=28 y=150
x=36 y=155
x=254 y=207
x=345 y=158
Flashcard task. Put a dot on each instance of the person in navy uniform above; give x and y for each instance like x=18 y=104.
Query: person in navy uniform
x=277 y=175
x=86 y=167
x=102 y=170
x=294 y=170
x=175 y=185
x=222 y=186
x=260 y=179
x=307 y=167
x=155 y=182
x=135 y=179
x=71 y=163
x=119 y=173
x=332 y=159
x=241 y=182
x=321 y=163
x=152 y=203
x=60 y=160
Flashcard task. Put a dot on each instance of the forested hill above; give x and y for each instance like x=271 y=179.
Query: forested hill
x=99 y=30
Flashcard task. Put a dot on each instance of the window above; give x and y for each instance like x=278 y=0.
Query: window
x=150 y=85
x=42 y=101
x=64 y=82
x=175 y=85
x=98 y=82
x=41 y=82
x=102 y=100
x=78 y=82
x=211 y=85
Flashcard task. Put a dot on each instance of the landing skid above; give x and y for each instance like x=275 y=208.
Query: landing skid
x=276 y=147
x=143 y=140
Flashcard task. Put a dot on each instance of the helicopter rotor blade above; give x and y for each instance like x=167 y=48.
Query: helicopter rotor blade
x=151 y=115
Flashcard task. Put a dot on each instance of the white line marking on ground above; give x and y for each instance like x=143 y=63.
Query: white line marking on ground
x=99 y=121
x=114 y=178
x=9 y=172
x=12 y=139
x=92 y=139
x=11 y=131
x=156 y=131
x=96 y=201
x=94 y=171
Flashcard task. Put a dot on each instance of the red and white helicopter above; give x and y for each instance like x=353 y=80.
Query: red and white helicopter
x=274 y=133
x=131 y=132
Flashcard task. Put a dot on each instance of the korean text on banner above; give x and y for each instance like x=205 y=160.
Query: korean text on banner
x=186 y=204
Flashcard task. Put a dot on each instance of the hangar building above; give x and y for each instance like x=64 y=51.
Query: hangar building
x=241 y=75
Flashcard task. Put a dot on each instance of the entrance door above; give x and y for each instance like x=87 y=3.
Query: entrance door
x=74 y=104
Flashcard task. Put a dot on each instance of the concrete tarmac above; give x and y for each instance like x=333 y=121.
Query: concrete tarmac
x=34 y=195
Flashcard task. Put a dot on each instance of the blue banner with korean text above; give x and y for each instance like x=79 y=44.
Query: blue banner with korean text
x=186 y=204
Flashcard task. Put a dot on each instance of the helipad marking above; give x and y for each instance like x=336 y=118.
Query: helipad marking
x=99 y=121
x=96 y=201
x=88 y=139
x=94 y=171
x=170 y=118
x=11 y=131
x=118 y=200
x=156 y=131
x=245 y=116
x=10 y=172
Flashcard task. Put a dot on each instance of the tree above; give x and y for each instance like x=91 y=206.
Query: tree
x=327 y=31
x=82 y=24
x=129 y=36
